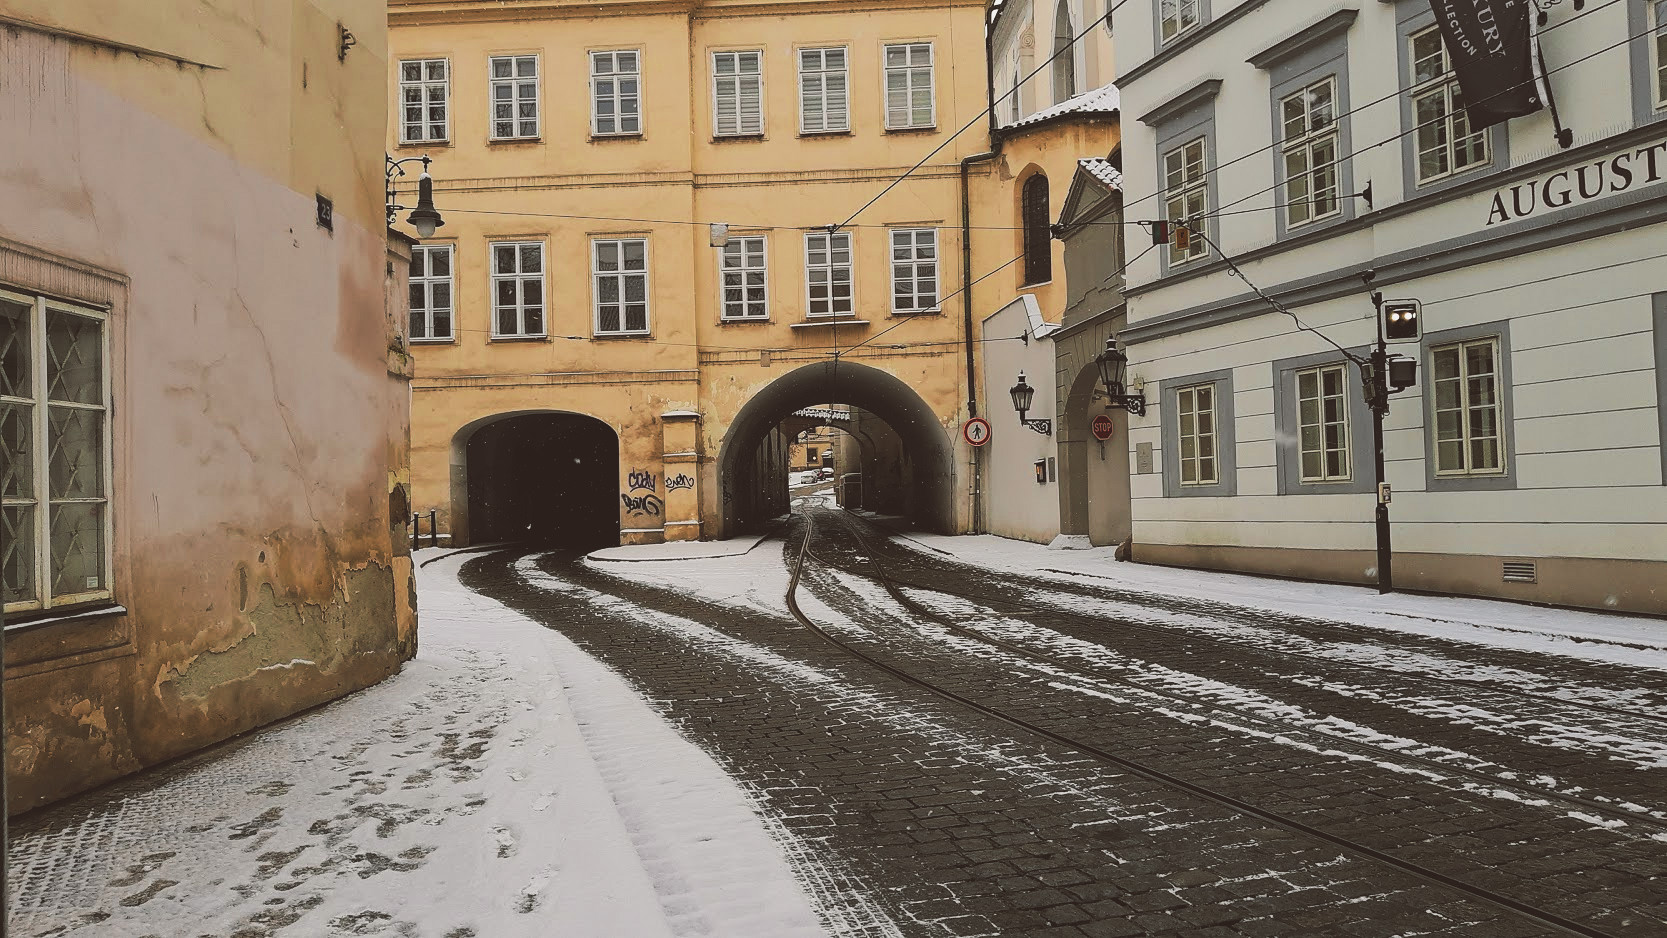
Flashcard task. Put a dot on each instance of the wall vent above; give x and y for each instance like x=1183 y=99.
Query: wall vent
x=1521 y=571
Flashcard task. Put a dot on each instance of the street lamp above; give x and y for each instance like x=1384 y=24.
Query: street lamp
x=1023 y=394
x=1113 y=364
x=424 y=218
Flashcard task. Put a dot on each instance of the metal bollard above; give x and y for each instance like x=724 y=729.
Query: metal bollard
x=433 y=527
x=416 y=530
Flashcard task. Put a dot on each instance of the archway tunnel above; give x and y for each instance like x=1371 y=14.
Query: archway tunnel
x=903 y=459
x=549 y=478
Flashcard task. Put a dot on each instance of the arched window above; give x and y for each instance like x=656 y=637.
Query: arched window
x=1065 y=58
x=1033 y=208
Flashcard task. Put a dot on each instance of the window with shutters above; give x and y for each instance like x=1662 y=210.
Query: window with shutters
x=828 y=272
x=517 y=289
x=620 y=271
x=424 y=97
x=1185 y=188
x=910 y=100
x=743 y=270
x=1469 y=432
x=914 y=270
x=1065 y=59
x=738 y=94
x=615 y=93
x=431 y=293
x=514 y=81
x=824 y=91
x=1038 y=230
x=1444 y=140
x=55 y=458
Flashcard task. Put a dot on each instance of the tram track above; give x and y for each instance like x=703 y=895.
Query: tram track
x=1233 y=616
x=1286 y=728
x=1425 y=873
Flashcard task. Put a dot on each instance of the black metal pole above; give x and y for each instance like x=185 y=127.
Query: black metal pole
x=434 y=527
x=416 y=530
x=1379 y=398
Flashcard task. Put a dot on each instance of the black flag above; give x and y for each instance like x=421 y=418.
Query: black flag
x=1492 y=51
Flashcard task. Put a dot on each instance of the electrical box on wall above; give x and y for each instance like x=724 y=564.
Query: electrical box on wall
x=1041 y=472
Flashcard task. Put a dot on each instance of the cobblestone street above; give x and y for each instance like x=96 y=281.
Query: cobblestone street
x=936 y=748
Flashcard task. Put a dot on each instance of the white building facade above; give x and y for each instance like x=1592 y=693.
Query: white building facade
x=1528 y=460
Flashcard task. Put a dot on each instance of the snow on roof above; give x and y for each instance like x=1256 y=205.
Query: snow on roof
x=1101 y=100
x=1102 y=170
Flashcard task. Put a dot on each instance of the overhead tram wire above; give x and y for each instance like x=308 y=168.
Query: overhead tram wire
x=1393 y=95
x=978 y=117
x=1224 y=210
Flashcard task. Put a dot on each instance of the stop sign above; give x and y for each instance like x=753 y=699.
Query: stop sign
x=1102 y=427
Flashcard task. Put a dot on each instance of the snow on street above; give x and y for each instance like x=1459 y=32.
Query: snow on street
x=647 y=743
x=503 y=784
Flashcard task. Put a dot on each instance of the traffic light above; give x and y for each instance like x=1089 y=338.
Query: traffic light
x=1403 y=373
x=1403 y=320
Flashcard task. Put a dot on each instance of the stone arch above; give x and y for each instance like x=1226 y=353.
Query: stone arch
x=542 y=474
x=745 y=479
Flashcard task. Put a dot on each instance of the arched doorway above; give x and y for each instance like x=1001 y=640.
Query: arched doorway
x=544 y=477
x=752 y=460
x=1094 y=497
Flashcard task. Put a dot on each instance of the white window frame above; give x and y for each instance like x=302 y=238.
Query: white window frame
x=1321 y=398
x=1303 y=145
x=40 y=471
x=520 y=278
x=743 y=244
x=1443 y=86
x=906 y=272
x=1465 y=406
x=911 y=73
x=829 y=268
x=620 y=277
x=515 y=83
x=618 y=97
x=1658 y=52
x=1186 y=405
x=1176 y=12
x=820 y=76
x=426 y=282
x=741 y=127
x=1015 y=106
x=1187 y=197
x=425 y=88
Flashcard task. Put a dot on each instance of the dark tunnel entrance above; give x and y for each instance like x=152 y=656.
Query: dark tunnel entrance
x=544 y=478
x=907 y=464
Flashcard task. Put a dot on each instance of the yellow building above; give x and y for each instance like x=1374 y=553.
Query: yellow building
x=203 y=384
x=595 y=362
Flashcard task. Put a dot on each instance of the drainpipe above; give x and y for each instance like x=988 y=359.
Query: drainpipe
x=966 y=270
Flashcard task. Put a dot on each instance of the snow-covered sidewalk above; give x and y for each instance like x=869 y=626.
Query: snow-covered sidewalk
x=1624 y=639
x=503 y=784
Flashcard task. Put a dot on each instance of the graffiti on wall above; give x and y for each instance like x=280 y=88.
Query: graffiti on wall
x=648 y=503
x=679 y=481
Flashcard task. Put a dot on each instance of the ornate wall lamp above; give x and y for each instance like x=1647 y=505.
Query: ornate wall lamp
x=423 y=218
x=1113 y=364
x=1023 y=394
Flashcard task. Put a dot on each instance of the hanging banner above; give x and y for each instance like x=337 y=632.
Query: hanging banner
x=1491 y=46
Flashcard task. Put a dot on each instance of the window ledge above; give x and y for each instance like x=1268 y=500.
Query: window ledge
x=812 y=134
x=743 y=320
x=519 y=338
x=738 y=138
x=915 y=313
x=623 y=335
x=28 y=622
x=449 y=341
x=912 y=130
x=510 y=141
x=598 y=138
x=426 y=144
x=830 y=321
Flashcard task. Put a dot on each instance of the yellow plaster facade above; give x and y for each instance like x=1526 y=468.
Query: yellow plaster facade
x=678 y=393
